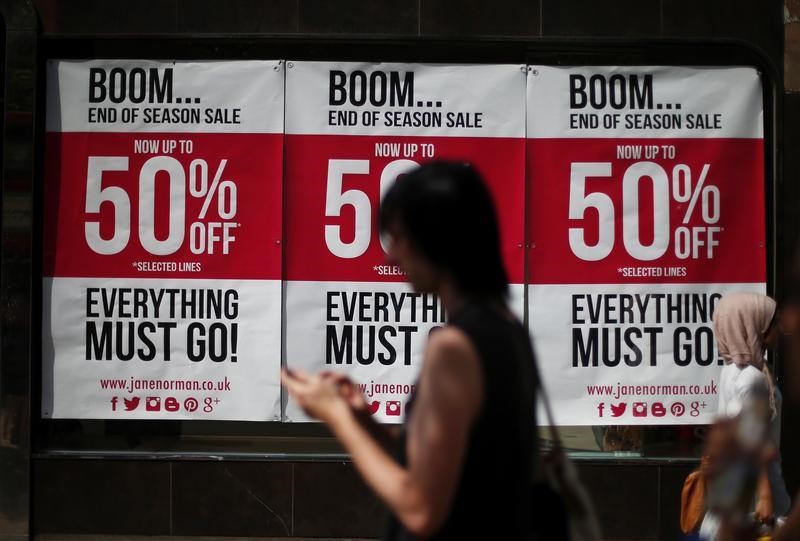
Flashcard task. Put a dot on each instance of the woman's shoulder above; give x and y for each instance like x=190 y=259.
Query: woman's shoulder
x=449 y=338
x=447 y=345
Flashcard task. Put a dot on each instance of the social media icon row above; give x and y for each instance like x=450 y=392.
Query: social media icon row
x=392 y=408
x=639 y=409
x=153 y=403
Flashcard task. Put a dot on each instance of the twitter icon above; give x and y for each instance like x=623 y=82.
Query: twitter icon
x=131 y=404
x=618 y=410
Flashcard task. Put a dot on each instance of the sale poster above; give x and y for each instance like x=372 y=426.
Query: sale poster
x=351 y=129
x=162 y=230
x=646 y=205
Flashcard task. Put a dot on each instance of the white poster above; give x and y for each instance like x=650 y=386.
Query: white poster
x=646 y=205
x=162 y=240
x=351 y=130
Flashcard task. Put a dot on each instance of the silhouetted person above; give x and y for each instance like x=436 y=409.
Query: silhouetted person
x=462 y=466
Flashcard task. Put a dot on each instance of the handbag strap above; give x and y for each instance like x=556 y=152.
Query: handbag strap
x=540 y=390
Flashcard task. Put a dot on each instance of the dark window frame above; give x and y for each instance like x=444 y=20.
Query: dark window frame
x=295 y=441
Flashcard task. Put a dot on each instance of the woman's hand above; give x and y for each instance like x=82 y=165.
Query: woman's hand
x=318 y=395
x=348 y=390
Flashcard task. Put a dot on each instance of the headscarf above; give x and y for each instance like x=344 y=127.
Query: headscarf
x=740 y=322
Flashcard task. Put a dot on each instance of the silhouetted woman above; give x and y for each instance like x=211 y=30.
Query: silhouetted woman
x=462 y=466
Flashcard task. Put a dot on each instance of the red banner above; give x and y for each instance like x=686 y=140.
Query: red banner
x=163 y=206
x=345 y=174
x=644 y=211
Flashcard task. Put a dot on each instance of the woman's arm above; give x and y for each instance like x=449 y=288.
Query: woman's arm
x=764 y=509
x=447 y=402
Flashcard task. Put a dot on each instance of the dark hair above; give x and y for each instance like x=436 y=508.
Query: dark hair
x=448 y=214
